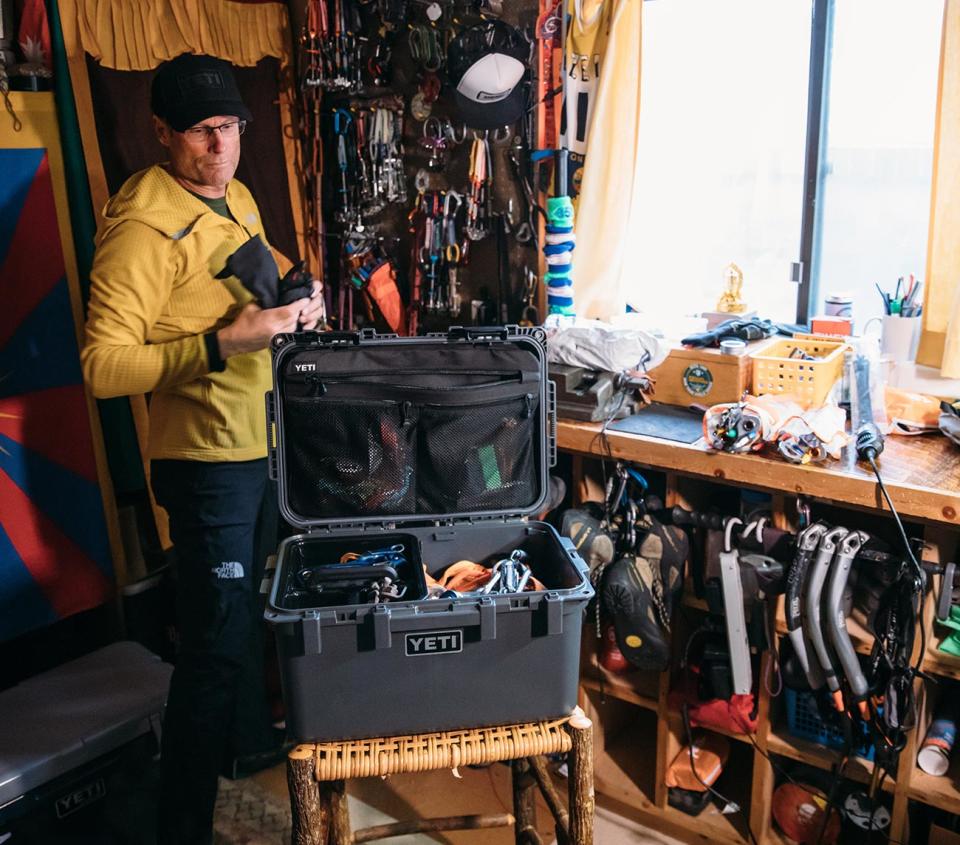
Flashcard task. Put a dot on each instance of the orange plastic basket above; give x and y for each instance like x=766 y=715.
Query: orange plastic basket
x=808 y=381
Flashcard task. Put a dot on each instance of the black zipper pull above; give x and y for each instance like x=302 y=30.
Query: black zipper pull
x=528 y=406
x=405 y=408
x=319 y=388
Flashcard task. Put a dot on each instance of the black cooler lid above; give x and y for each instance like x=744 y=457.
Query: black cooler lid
x=368 y=429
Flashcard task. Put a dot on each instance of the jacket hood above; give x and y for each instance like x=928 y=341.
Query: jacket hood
x=153 y=197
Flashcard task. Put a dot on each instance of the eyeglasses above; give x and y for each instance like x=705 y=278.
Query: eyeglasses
x=232 y=129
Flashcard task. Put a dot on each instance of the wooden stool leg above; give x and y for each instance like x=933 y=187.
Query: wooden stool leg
x=334 y=794
x=582 y=799
x=524 y=804
x=309 y=813
x=538 y=768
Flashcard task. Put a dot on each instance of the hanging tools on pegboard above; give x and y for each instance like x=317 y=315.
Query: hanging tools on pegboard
x=368 y=142
x=478 y=193
x=332 y=32
x=440 y=94
x=436 y=256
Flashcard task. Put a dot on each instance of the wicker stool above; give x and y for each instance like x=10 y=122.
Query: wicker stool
x=316 y=775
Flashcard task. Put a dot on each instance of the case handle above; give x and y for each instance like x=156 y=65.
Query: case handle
x=476 y=333
x=268 y=572
x=328 y=338
x=273 y=470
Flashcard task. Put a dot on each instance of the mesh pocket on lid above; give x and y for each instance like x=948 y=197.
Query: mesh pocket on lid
x=477 y=457
x=346 y=458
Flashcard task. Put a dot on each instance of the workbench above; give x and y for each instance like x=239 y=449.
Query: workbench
x=637 y=734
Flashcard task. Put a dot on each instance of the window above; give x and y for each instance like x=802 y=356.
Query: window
x=724 y=142
x=873 y=212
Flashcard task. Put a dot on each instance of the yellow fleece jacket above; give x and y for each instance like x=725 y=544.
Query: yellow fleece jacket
x=153 y=296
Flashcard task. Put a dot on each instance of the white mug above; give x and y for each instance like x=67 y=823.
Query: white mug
x=899 y=336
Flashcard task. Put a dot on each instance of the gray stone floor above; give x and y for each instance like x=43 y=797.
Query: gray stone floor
x=256 y=811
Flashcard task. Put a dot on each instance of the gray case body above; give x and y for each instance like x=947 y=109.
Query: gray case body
x=422 y=665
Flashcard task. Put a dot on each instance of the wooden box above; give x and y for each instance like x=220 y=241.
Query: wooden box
x=703 y=376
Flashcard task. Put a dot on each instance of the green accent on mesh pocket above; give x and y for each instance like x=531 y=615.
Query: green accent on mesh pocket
x=488 y=464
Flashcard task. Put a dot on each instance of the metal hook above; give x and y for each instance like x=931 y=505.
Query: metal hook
x=728 y=527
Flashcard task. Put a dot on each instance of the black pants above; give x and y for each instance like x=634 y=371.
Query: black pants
x=217 y=705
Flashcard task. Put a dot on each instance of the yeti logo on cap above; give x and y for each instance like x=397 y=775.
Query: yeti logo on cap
x=201 y=84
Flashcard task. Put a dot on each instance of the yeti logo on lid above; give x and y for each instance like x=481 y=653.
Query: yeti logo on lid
x=434 y=642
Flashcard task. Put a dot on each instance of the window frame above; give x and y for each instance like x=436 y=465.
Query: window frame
x=818 y=82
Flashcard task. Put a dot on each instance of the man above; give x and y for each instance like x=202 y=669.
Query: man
x=170 y=314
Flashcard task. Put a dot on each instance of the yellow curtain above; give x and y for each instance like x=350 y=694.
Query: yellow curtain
x=606 y=194
x=940 y=341
x=140 y=34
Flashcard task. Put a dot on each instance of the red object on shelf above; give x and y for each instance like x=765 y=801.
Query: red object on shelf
x=611 y=658
x=798 y=811
x=831 y=325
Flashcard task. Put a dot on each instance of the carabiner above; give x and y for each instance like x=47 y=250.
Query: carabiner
x=450 y=209
x=347 y=118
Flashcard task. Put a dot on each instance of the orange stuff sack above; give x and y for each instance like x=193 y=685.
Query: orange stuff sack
x=911 y=413
x=710 y=752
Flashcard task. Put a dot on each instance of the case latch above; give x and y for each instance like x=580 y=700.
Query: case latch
x=551 y=423
x=273 y=471
x=310 y=631
x=382 y=636
x=554 y=605
x=488 y=619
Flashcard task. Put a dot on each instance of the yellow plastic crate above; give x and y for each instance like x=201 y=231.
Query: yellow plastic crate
x=809 y=382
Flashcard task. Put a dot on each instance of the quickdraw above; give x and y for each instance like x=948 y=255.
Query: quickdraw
x=478 y=192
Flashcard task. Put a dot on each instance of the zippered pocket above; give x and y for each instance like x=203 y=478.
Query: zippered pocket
x=346 y=458
x=477 y=456
x=400 y=385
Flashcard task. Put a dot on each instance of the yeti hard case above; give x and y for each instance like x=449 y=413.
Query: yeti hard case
x=441 y=446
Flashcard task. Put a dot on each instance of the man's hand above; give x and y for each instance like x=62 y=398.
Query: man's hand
x=315 y=312
x=253 y=327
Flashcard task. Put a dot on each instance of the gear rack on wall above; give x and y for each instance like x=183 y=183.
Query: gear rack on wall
x=417 y=221
x=638 y=729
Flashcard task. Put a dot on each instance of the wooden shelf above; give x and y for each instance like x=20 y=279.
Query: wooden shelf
x=922 y=475
x=821 y=757
x=623 y=768
x=635 y=687
x=861 y=638
x=621 y=690
x=690 y=599
x=676 y=725
x=712 y=825
x=939 y=662
x=942 y=792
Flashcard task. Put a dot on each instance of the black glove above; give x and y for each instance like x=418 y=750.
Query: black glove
x=253 y=264
x=297 y=284
x=742 y=329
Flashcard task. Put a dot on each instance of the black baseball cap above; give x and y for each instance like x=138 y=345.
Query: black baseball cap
x=487 y=67
x=191 y=88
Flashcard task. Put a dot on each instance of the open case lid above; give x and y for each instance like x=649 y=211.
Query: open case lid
x=378 y=429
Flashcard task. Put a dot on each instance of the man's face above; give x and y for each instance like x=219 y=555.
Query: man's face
x=204 y=164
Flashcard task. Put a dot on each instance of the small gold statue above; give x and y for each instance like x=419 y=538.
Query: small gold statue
x=730 y=301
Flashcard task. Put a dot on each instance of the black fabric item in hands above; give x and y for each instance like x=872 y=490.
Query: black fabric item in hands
x=297 y=284
x=254 y=265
